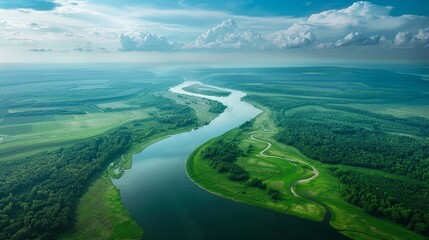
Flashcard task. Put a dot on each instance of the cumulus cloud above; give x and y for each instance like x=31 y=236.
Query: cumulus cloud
x=144 y=42
x=72 y=23
x=354 y=15
x=360 y=39
x=408 y=40
x=296 y=36
x=362 y=23
x=227 y=35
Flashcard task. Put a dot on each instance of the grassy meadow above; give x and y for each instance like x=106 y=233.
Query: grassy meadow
x=345 y=123
x=46 y=114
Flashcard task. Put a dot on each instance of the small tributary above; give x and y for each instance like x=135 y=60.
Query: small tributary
x=169 y=206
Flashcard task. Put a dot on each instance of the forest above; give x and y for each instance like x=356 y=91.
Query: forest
x=338 y=138
x=38 y=201
x=221 y=156
x=397 y=200
x=316 y=115
x=336 y=143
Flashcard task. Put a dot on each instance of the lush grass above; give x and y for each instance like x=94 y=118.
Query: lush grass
x=101 y=215
x=44 y=135
x=348 y=219
x=276 y=173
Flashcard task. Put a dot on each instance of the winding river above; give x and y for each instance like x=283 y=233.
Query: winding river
x=169 y=206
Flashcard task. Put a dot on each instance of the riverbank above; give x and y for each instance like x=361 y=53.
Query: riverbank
x=320 y=188
x=100 y=215
x=262 y=167
x=100 y=212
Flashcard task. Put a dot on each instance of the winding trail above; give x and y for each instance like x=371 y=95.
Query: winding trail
x=300 y=181
x=327 y=217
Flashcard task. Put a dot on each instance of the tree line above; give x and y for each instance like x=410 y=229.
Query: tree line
x=38 y=199
x=39 y=193
x=397 y=200
x=222 y=155
x=336 y=143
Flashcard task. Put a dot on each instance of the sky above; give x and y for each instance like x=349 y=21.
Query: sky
x=215 y=31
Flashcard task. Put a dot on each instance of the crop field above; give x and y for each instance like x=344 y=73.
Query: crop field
x=45 y=108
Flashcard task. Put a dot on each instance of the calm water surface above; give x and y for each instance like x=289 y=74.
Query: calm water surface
x=169 y=206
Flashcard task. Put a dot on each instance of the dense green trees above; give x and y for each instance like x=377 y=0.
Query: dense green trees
x=316 y=114
x=216 y=107
x=36 y=200
x=222 y=155
x=331 y=142
x=38 y=194
x=172 y=113
x=374 y=141
x=404 y=202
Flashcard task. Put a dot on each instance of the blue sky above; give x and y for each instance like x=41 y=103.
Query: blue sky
x=248 y=7
x=70 y=29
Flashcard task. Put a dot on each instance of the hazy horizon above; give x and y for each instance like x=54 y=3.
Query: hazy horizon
x=274 y=32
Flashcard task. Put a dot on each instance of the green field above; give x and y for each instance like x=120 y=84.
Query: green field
x=279 y=174
x=101 y=204
x=360 y=137
x=101 y=215
x=275 y=173
x=365 y=130
x=78 y=117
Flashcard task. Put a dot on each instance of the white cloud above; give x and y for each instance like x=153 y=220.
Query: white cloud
x=296 y=36
x=360 y=39
x=227 y=35
x=74 y=23
x=363 y=23
x=358 y=13
x=144 y=42
x=408 y=40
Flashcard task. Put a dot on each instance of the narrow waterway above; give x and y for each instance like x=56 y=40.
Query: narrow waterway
x=168 y=205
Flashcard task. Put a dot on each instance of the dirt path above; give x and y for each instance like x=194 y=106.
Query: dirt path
x=300 y=181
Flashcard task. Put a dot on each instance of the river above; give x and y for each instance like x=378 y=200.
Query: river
x=169 y=206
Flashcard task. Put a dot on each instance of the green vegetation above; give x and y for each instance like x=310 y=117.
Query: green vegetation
x=101 y=215
x=356 y=146
x=60 y=142
x=216 y=107
x=42 y=111
x=361 y=136
x=222 y=156
x=232 y=167
x=338 y=117
x=44 y=188
x=204 y=90
x=397 y=199
x=278 y=174
x=205 y=109
x=42 y=197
